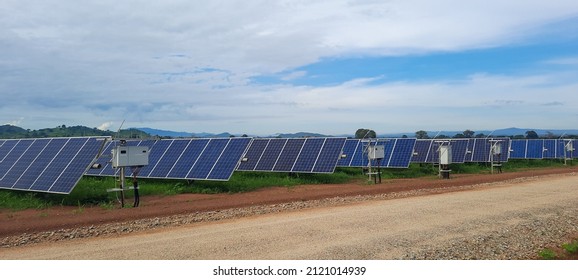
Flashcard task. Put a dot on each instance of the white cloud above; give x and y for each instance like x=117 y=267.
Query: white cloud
x=105 y=126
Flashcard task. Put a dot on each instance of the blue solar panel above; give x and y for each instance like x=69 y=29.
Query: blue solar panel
x=459 y=150
x=253 y=154
x=518 y=148
x=195 y=159
x=550 y=149
x=53 y=165
x=299 y=155
x=422 y=151
x=535 y=149
x=349 y=149
x=329 y=155
x=479 y=150
x=309 y=155
x=289 y=155
x=168 y=158
x=401 y=152
x=188 y=158
x=270 y=155
x=225 y=165
x=398 y=152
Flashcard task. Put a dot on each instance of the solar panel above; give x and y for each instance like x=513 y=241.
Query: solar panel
x=550 y=149
x=298 y=155
x=349 y=150
x=422 y=151
x=518 y=148
x=535 y=149
x=398 y=152
x=194 y=159
x=426 y=150
x=52 y=165
x=479 y=150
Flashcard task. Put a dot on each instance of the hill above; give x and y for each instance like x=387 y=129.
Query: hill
x=13 y=132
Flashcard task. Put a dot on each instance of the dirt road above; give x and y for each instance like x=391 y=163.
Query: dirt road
x=501 y=221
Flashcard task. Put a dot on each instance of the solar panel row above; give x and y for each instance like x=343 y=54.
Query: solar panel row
x=193 y=159
x=53 y=165
x=542 y=148
x=398 y=152
x=299 y=155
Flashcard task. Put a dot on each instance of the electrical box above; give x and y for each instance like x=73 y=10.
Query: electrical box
x=376 y=152
x=445 y=154
x=497 y=148
x=124 y=156
x=570 y=146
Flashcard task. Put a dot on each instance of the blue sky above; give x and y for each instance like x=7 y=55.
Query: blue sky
x=263 y=67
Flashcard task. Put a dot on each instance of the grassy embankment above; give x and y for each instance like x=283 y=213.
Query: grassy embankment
x=92 y=190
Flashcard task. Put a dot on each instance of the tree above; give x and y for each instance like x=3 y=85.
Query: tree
x=480 y=135
x=365 y=133
x=468 y=133
x=421 y=134
x=459 y=135
x=530 y=134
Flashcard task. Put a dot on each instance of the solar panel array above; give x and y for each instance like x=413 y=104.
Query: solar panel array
x=193 y=159
x=541 y=148
x=55 y=165
x=398 y=153
x=299 y=155
x=52 y=165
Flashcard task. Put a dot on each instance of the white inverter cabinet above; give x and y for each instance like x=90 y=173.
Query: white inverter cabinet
x=124 y=156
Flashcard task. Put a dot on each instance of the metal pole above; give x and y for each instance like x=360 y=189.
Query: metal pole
x=122 y=182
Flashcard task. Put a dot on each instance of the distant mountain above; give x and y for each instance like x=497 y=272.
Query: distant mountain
x=541 y=132
x=164 y=133
x=212 y=135
x=299 y=135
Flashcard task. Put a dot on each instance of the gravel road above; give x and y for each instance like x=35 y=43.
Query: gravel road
x=508 y=220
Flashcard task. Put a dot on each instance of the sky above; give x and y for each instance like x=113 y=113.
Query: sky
x=266 y=67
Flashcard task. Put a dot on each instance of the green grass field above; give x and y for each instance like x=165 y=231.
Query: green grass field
x=93 y=190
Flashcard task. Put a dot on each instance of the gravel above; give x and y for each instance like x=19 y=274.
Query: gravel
x=521 y=239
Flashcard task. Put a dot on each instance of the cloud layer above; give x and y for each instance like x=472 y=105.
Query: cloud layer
x=192 y=66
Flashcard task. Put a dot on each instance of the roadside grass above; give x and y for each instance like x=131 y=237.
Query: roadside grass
x=567 y=251
x=93 y=190
x=22 y=200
